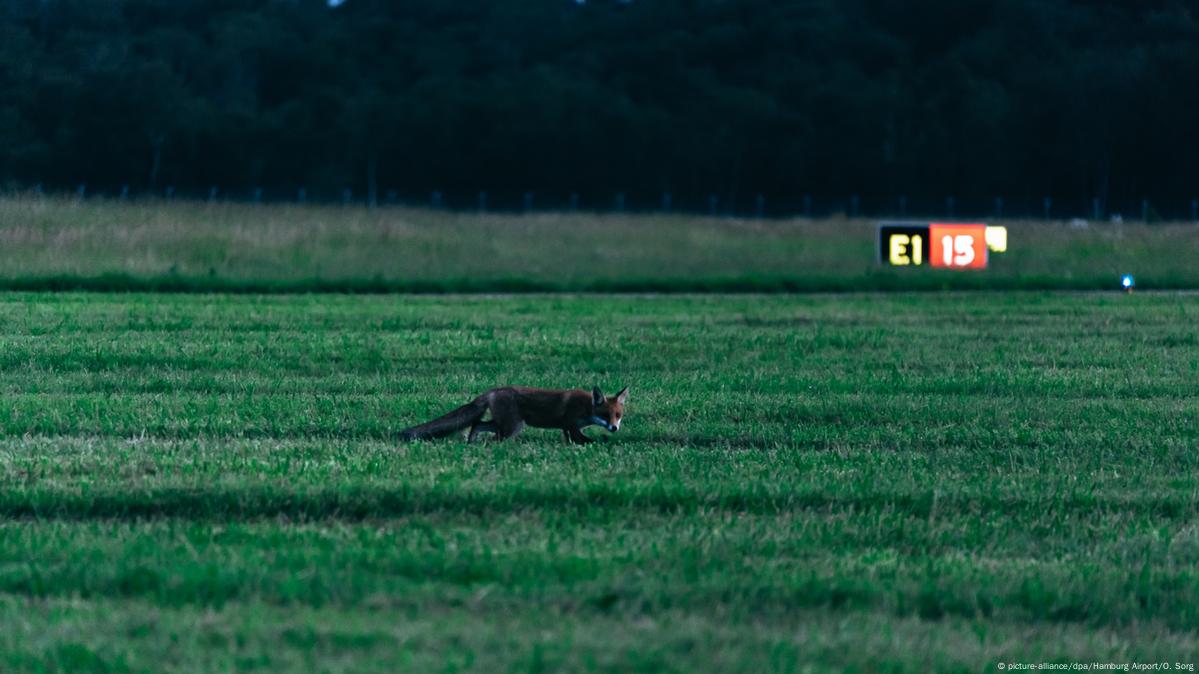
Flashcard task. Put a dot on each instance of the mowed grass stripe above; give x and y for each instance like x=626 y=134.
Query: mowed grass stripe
x=127 y=635
x=745 y=567
x=70 y=478
x=356 y=502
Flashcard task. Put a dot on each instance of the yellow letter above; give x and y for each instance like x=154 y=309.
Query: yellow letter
x=898 y=243
x=917 y=253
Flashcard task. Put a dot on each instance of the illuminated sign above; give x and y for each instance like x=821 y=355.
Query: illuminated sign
x=903 y=245
x=941 y=245
x=996 y=239
x=958 y=246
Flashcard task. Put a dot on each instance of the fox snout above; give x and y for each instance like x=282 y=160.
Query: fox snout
x=605 y=424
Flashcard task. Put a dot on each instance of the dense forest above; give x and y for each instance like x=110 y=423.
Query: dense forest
x=860 y=102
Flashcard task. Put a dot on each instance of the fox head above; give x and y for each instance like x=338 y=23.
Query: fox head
x=609 y=411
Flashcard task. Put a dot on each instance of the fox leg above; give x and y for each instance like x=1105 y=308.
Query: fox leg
x=509 y=428
x=482 y=427
x=576 y=436
x=506 y=416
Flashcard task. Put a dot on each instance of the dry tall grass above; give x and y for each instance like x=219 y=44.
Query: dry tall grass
x=68 y=243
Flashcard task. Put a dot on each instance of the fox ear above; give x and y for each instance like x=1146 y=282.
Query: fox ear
x=597 y=396
x=623 y=395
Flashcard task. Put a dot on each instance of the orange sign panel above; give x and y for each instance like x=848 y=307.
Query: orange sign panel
x=957 y=246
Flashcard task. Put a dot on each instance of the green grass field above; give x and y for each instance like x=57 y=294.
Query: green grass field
x=864 y=483
x=51 y=243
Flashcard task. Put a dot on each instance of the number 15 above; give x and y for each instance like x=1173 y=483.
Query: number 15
x=958 y=251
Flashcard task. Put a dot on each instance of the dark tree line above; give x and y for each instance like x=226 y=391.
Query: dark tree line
x=876 y=98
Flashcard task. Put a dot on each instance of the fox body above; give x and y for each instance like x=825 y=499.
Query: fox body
x=514 y=407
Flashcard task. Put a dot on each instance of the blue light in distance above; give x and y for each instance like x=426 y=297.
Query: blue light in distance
x=1127 y=282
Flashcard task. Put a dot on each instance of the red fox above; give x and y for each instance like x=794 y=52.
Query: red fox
x=514 y=407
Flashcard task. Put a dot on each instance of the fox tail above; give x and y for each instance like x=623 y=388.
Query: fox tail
x=459 y=419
